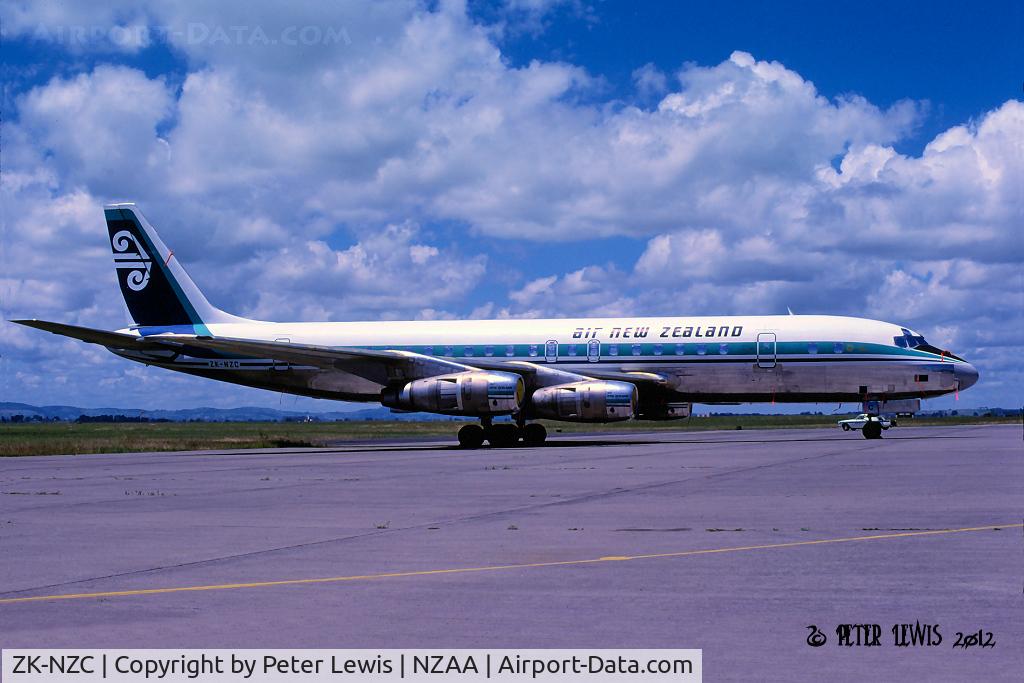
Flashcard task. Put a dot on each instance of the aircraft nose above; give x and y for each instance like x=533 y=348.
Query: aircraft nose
x=967 y=375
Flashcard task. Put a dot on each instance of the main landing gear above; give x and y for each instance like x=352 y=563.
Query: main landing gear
x=502 y=435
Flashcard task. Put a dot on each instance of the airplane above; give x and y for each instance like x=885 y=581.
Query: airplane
x=576 y=370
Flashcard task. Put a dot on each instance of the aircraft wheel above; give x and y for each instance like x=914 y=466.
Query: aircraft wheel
x=503 y=435
x=471 y=436
x=872 y=430
x=846 y=428
x=534 y=434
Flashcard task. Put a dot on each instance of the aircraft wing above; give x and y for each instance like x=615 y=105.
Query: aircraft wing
x=381 y=366
x=386 y=365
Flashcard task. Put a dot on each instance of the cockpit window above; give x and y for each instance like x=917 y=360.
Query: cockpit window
x=909 y=340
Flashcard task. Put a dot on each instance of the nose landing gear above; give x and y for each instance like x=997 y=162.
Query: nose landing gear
x=872 y=430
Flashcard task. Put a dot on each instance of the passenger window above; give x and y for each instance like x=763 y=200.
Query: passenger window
x=488 y=350
x=680 y=349
x=449 y=350
x=573 y=349
x=812 y=348
x=657 y=349
x=467 y=351
x=837 y=347
x=510 y=350
x=702 y=349
x=723 y=349
x=613 y=349
x=533 y=349
x=428 y=350
x=637 y=349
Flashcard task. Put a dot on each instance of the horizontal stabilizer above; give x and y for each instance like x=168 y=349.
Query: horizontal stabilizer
x=115 y=340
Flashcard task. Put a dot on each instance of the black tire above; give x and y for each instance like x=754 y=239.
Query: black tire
x=846 y=428
x=503 y=435
x=534 y=434
x=872 y=430
x=471 y=436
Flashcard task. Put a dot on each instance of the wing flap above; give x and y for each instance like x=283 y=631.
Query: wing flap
x=649 y=379
x=381 y=366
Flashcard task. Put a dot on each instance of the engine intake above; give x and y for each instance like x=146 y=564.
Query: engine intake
x=588 y=401
x=460 y=393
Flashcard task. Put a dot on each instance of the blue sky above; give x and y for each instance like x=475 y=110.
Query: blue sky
x=962 y=60
x=522 y=159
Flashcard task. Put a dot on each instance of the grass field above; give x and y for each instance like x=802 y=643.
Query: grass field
x=50 y=438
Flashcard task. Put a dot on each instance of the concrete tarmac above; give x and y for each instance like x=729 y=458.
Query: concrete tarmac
x=733 y=542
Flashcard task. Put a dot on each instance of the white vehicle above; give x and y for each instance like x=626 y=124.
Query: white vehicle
x=863 y=419
x=579 y=370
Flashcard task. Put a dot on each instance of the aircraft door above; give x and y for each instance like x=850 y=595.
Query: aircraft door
x=279 y=364
x=766 y=350
x=593 y=351
x=550 y=351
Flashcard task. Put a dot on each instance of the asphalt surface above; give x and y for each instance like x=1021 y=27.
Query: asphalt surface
x=525 y=548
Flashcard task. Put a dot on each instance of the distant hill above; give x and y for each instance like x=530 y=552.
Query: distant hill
x=244 y=414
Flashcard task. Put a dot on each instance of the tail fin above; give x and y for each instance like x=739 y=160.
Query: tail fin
x=156 y=288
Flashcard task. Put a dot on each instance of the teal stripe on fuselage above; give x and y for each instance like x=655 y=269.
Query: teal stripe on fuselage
x=736 y=352
x=669 y=351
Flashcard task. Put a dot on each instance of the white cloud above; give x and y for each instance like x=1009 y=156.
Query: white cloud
x=964 y=195
x=747 y=188
x=99 y=128
x=650 y=81
x=388 y=274
x=590 y=291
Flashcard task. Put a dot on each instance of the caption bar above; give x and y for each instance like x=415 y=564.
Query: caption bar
x=309 y=666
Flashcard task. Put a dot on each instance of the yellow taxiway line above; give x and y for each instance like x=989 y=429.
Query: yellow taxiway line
x=502 y=567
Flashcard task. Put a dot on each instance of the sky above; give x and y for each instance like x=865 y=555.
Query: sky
x=528 y=158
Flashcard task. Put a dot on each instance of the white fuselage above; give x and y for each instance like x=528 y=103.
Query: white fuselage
x=702 y=359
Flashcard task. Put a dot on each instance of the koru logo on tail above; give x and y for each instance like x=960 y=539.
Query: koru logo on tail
x=129 y=255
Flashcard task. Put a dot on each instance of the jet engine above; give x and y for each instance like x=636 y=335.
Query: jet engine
x=587 y=401
x=461 y=393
